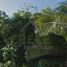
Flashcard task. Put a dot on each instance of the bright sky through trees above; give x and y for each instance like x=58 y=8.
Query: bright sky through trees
x=10 y=6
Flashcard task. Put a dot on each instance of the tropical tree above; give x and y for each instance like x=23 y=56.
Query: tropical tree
x=21 y=28
x=61 y=11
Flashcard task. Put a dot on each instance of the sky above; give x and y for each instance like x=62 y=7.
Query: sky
x=11 y=6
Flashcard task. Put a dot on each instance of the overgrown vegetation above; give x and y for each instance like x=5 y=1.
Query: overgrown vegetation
x=24 y=29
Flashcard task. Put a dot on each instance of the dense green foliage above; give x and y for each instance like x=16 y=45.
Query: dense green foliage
x=25 y=29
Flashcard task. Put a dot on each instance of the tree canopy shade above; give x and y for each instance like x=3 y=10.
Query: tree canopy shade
x=24 y=29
